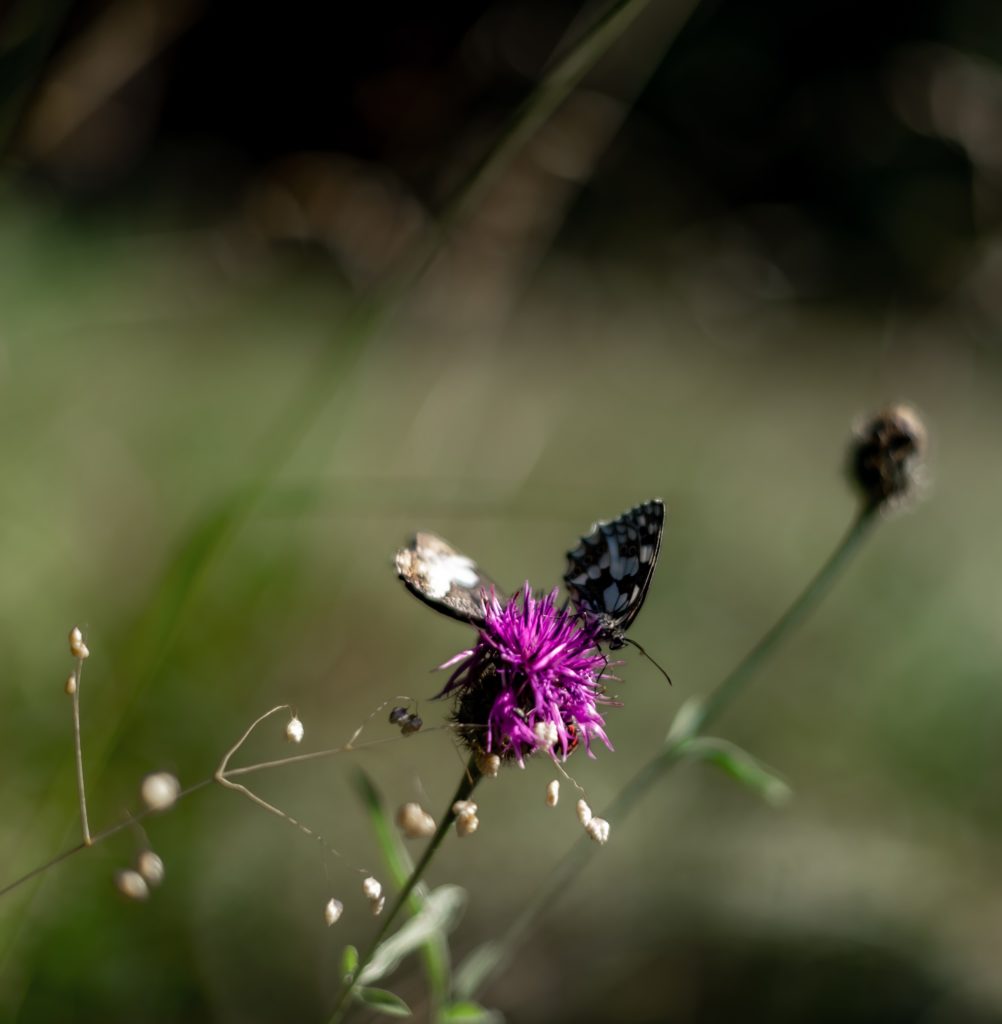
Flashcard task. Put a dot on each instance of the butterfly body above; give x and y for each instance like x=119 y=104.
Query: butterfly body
x=609 y=572
x=450 y=582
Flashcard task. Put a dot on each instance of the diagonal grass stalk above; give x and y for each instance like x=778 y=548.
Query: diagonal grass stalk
x=471 y=776
x=492 y=958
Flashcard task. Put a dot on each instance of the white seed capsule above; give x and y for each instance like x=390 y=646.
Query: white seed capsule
x=489 y=765
x=151 y=867
x=546 y=735
x=598 y=829
x=584 y=813
x=333 y=911
x=461 y=807
x=553 y=793
x=467 y=824
x=159 y=790
x=294 y=730
x=131 y=884
x=77 y=646
x=415 y=822
x=371 y=889
x=71 y=684
x=377 y=906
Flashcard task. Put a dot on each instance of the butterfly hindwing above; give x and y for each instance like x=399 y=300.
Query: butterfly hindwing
x=609 y=572
x=445 y=579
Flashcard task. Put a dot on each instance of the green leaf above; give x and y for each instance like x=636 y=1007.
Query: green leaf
x=383 y=1002
x=440 y=914
x=349 y=961
x=465 y=1011
x=480 y=964
x=684 y=724
x=740 y=765
x=394 y=853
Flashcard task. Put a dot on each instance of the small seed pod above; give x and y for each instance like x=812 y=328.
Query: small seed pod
x=131 y=884
x=467 y=824
x=415 y=822
x=598 y=829
x=151 y=867
x=552 y=793
x=397 y=715
x=584 y=813
x=546 y=735
x=461 y=807
x=372 y=889
x=294 y=731
x=489 y=765
x=71 y=684
x=160 y=790
x=886 y=455
x=77 y=646
x=410 y=725
x=333 y=911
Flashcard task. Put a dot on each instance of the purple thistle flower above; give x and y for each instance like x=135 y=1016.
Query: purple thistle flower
x=534 y=669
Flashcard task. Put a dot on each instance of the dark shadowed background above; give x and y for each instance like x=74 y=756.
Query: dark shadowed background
x=750 y=224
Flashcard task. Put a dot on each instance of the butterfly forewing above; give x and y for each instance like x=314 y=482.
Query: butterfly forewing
x=433 y=570
x=609 y=572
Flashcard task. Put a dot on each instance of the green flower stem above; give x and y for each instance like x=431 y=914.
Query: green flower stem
x=471 y=776
x=802 y=605
x=574 y=861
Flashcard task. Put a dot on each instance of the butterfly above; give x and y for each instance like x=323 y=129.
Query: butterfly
x=608 y=573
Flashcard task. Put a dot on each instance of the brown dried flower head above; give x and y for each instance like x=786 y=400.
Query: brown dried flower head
x=887 y=453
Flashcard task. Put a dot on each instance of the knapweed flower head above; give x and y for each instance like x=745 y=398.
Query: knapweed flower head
x=533 y=676
x=885 y=459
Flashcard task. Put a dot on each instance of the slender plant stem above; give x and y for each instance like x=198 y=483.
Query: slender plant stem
x=802 y=605
x=471 y=776
x=78 y=753
x=722 y=696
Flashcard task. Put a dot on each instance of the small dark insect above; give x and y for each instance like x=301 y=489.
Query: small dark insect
x=609 y=572
x=410 y=725
x=397 y=715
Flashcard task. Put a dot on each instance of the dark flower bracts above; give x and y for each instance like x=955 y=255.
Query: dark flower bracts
x=532 y=681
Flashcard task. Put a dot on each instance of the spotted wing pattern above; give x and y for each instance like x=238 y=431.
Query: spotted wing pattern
x=448 y=581
x=609 y=572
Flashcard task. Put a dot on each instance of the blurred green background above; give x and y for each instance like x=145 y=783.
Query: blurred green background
x=720 y=253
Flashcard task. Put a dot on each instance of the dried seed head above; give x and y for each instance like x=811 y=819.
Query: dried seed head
x=461 y=807
x=77 y=646
x=415 y=822
x=159 y=790
x=553 y=793
x=489 y=765
x=333 y=911
x=372 y=889
x=71 y=684
x=546 y=735
x=397 y=715
x=410 y=725
x=584 y=813
x=886 y=455
x=467 y=824
x=598 y=829
x=131 y=884
x=377 y=906
x=151 y=867
x=294 y=731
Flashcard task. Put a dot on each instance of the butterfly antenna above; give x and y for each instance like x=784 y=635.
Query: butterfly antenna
x=633 y=643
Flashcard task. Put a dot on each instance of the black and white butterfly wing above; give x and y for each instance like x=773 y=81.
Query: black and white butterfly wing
x=609 y=572
x=434 y=571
